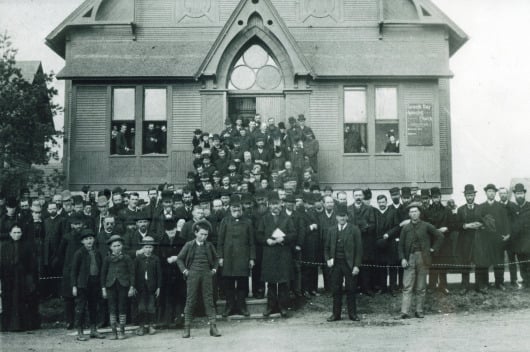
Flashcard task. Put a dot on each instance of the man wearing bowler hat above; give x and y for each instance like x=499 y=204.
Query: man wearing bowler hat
x=468 y=223
x=491 y=239
x=520 y=214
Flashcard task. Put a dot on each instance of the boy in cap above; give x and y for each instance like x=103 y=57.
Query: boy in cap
x=117 y=282
x=148 y=279
x=198 y=263
x=85 y=284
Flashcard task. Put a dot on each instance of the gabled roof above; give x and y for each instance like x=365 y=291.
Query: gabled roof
x=29 y=69
x=244 y=10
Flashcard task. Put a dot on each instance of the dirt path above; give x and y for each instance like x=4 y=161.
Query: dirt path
x=485 y=331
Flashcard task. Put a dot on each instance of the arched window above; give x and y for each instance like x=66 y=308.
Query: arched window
x=256 y=70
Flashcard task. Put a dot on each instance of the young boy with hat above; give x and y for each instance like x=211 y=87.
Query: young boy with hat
x=198 y=262
x=85 y=284
x=117 y=282
x=148 y=280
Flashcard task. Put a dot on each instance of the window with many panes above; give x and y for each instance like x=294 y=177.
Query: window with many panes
x=153 y=127
x=363 y=111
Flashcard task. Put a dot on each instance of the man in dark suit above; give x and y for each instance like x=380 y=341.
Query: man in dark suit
x=415 y=248
x=343 y=255
x=520 y=214
x=276 y=233
x=364 y=217
x=160 y=215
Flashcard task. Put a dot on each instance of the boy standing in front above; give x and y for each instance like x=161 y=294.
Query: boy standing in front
x=198 y=262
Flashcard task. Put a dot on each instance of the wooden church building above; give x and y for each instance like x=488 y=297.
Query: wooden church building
x=359 y=70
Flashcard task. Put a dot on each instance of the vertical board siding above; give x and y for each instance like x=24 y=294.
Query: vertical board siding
x=89 y=123
x=446 y=159
x=181 y=163
x=157 y=12
x=325 y=115
x=213 y=112
x=186 y=113
x=273 y=106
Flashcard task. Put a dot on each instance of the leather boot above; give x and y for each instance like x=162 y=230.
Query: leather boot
x=213 y=331
x=186 y=333
x=81 y=336
x=94 y=334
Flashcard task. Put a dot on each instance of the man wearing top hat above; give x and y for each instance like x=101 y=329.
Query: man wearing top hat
x=237 y=253
x=520 y=216
x=132 y=240
x=166 y=212
x=343 y=255
x=491 y=239
x=128 y=212
x=9 y=218
x=276 y=233
x=468 y=222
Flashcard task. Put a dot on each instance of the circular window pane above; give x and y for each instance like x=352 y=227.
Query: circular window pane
x=243 y=77
x=269 y=77
x=256 y=56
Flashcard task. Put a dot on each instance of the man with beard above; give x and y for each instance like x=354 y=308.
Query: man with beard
x=327 y=220
x=185 y=211
x=70 y=243
x=364 y=217
x=117 y=201
x=261 y=155
x=132 y=240
x=187 y=230
x=437 y=215
x=258 y=286
x=236 y=251
x=276 y=233
x=53 y=232
x=491 y=239
x=102 y=213
x=468 y=222
x=387 y=235
x=520 y=212
x=154 y=206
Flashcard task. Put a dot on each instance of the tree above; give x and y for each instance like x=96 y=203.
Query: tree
x=26 y=121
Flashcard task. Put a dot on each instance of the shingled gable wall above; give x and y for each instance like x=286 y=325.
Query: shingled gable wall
x=345 y=47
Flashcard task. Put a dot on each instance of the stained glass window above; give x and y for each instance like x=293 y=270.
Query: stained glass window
x=256 y=70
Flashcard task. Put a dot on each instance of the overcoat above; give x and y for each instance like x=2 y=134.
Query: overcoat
x=236 y=246
x=488 y=246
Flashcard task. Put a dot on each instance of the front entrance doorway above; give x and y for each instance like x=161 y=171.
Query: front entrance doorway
x=241 y=107
x=246 y=107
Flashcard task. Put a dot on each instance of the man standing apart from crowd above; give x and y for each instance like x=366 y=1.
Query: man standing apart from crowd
x=415 y=248
x=520 y=212
x=343 y=254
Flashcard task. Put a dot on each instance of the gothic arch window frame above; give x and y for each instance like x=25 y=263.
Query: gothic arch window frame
x=241 y=62
x=247 y=37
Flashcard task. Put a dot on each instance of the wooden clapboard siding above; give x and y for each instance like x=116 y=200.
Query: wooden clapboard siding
x=186 y=114
x=298 y=103
x=287 y=10
x=446 y=155
x=400 y=10
x=181 y=163
x=361 y=10
x=355 y=169
x=214 y=110
x=271 y=106
x=324 y=115
x=89 y=123
x=89 y=167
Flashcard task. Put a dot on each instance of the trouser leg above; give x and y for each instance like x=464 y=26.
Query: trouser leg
x=283 y=296
x=241 y=293
x=421 y=282
x=207 y=295
x=337 y=278
x=512 y=265
x=272 y=296
x=193 y=287
x=409 y=278
x=80 y=305
x=93 y=300
x=229 y=288
x=69 y=310
x=351 y=288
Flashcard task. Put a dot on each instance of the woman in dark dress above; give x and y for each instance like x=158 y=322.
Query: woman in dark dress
x=17 y=274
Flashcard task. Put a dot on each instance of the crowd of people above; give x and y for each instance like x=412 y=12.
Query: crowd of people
x=252 y=208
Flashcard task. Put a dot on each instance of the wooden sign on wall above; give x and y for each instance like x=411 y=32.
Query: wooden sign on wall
x=419 y=125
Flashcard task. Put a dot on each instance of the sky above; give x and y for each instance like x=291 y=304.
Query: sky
x=490 y=93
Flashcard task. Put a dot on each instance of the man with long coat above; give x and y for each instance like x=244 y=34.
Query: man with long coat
x=276 y=233
x=237 y=252
x=520 y=216
x=490 y=239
